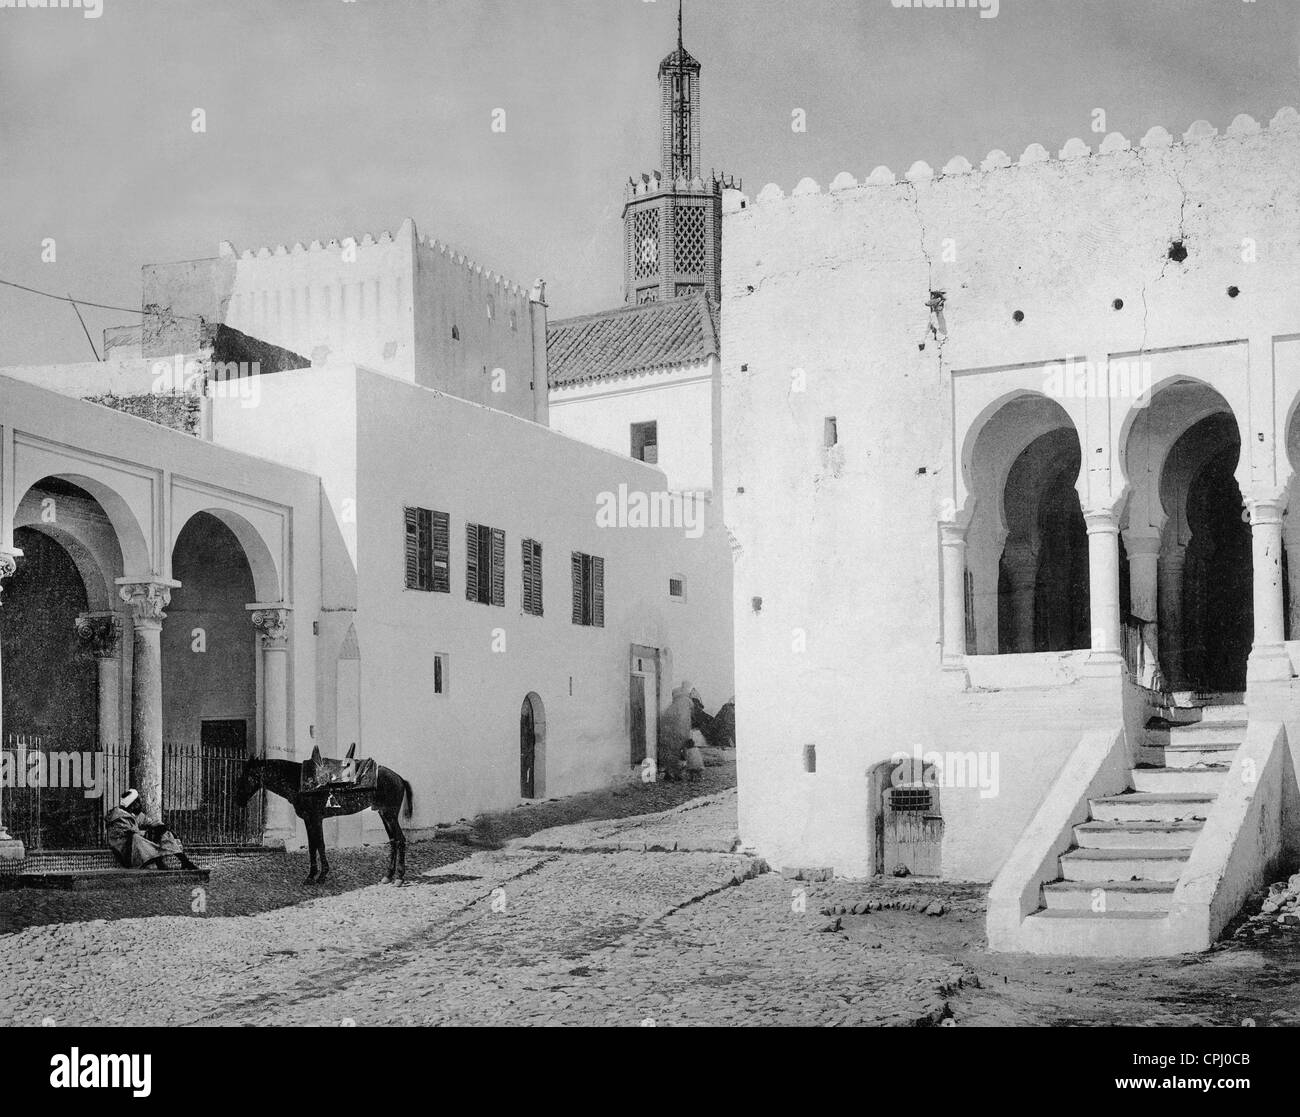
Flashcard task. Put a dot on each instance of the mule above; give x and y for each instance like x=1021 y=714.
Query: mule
x=390 y=796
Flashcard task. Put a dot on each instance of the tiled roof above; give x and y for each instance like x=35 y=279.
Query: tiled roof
x=632 y=339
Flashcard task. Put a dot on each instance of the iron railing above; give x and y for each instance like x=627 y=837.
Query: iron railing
x=56 y=798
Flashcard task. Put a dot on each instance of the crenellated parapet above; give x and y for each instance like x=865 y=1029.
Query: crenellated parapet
x=1114 y=145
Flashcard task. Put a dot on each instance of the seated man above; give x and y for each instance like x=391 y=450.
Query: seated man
x=137 y=843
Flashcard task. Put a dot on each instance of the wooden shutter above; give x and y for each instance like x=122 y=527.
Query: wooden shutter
x=575 y=563
x=471 y=561
x=412 y=548
x=426 y=549
x=498 y=566
x=441 y=552
x=598 y=591
x=537 y=578
x=527 y=556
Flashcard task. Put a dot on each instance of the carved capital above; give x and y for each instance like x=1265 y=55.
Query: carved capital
x=100 y=634
x=272 y=621
x=147 y=600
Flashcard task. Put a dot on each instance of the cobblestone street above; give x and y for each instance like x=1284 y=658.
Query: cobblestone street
x=648 y=918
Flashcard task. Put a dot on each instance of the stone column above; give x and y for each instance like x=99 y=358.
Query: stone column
x=272 y=622
x=1103 y=586
x=1268 y=658
x=100 y=635
x=11 y=849
x=147 y=598
x=953 y=538
x=1021 y=558
x=1143 y=548
x=1170 y=576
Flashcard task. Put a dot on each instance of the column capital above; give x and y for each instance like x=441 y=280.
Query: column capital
x=952 y=534
x=1101 y=520
x=99 y=633
x=148 y=597
x=271 y=619
x=1141 y=541
x=1265 y=507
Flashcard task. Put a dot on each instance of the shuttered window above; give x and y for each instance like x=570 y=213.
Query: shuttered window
x=427 y=543
x=532 y=565
x=485 y=564
x=588 y=589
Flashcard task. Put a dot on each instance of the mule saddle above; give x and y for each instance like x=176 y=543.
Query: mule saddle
x=323 y=773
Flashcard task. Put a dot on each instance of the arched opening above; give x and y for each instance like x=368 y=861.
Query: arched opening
x=1027 y=545
x=532 y=748
x=209 y=682
x=907 y=822
x=52 y=706
x=1217 y=608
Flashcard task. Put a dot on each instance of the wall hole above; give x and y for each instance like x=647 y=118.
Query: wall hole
x=1178 y=252
x=1018 y=316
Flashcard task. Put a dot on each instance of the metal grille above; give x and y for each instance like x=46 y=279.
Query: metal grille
x=645 y=243
x=689 y=254
x=909 y=799
x=198 y=794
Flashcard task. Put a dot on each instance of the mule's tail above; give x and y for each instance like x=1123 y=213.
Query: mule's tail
x=408 y=798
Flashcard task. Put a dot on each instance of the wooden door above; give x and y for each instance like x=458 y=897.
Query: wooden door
x=638 y=731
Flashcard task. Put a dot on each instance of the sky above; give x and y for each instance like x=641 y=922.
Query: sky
x=329 y=118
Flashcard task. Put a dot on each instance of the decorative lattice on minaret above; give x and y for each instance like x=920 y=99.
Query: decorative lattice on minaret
x=672 y=218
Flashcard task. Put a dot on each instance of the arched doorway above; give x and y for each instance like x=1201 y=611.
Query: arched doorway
x=1218 y=613
x=209 y=683
x=1026 y=578
x=532 y=747
x=1043 y=570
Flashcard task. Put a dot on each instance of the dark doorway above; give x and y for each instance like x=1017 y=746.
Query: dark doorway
x=527 y=750
x=1218 y=582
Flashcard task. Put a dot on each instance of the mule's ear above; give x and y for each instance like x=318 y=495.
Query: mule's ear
x=352 y=751
x=315 y=753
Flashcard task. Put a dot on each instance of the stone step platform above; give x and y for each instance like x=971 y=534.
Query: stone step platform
x=81 y=880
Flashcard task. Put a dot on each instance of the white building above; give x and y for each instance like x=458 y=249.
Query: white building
x=1008 y=458
x=402 y=557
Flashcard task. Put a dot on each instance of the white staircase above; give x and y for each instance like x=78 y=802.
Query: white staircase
x=1129 y=854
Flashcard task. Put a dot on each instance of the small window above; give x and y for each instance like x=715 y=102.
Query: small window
x=428 y=545
x=532 y=562
x=645 y=442
x=831 y=435
x=588 y=589
x=440 y=672
x=455 y=333
x=677 y=587
x=485 y=564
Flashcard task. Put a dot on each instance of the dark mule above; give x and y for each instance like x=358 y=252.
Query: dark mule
x=390 y=795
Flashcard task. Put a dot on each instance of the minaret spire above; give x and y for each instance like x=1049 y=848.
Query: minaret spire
x=679 y=25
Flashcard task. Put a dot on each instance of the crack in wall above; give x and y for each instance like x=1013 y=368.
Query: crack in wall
x=931 y=330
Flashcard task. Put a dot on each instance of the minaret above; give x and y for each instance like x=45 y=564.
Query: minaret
x=672 y=218
x=679 y=85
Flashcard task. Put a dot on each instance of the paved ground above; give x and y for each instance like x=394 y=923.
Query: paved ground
x=628 y=921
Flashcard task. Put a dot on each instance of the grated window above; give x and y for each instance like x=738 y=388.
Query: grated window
x=645 y=246
x=689 y=241
x=909 y=799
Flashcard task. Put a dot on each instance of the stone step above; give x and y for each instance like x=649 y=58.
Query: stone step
x=1098 y=865
x=1185 y=755
x=1138 y=806
x=1137 y=895
x=1224 y=712
x=1136 y=835
x=1180 y=780
x=1197 y=734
